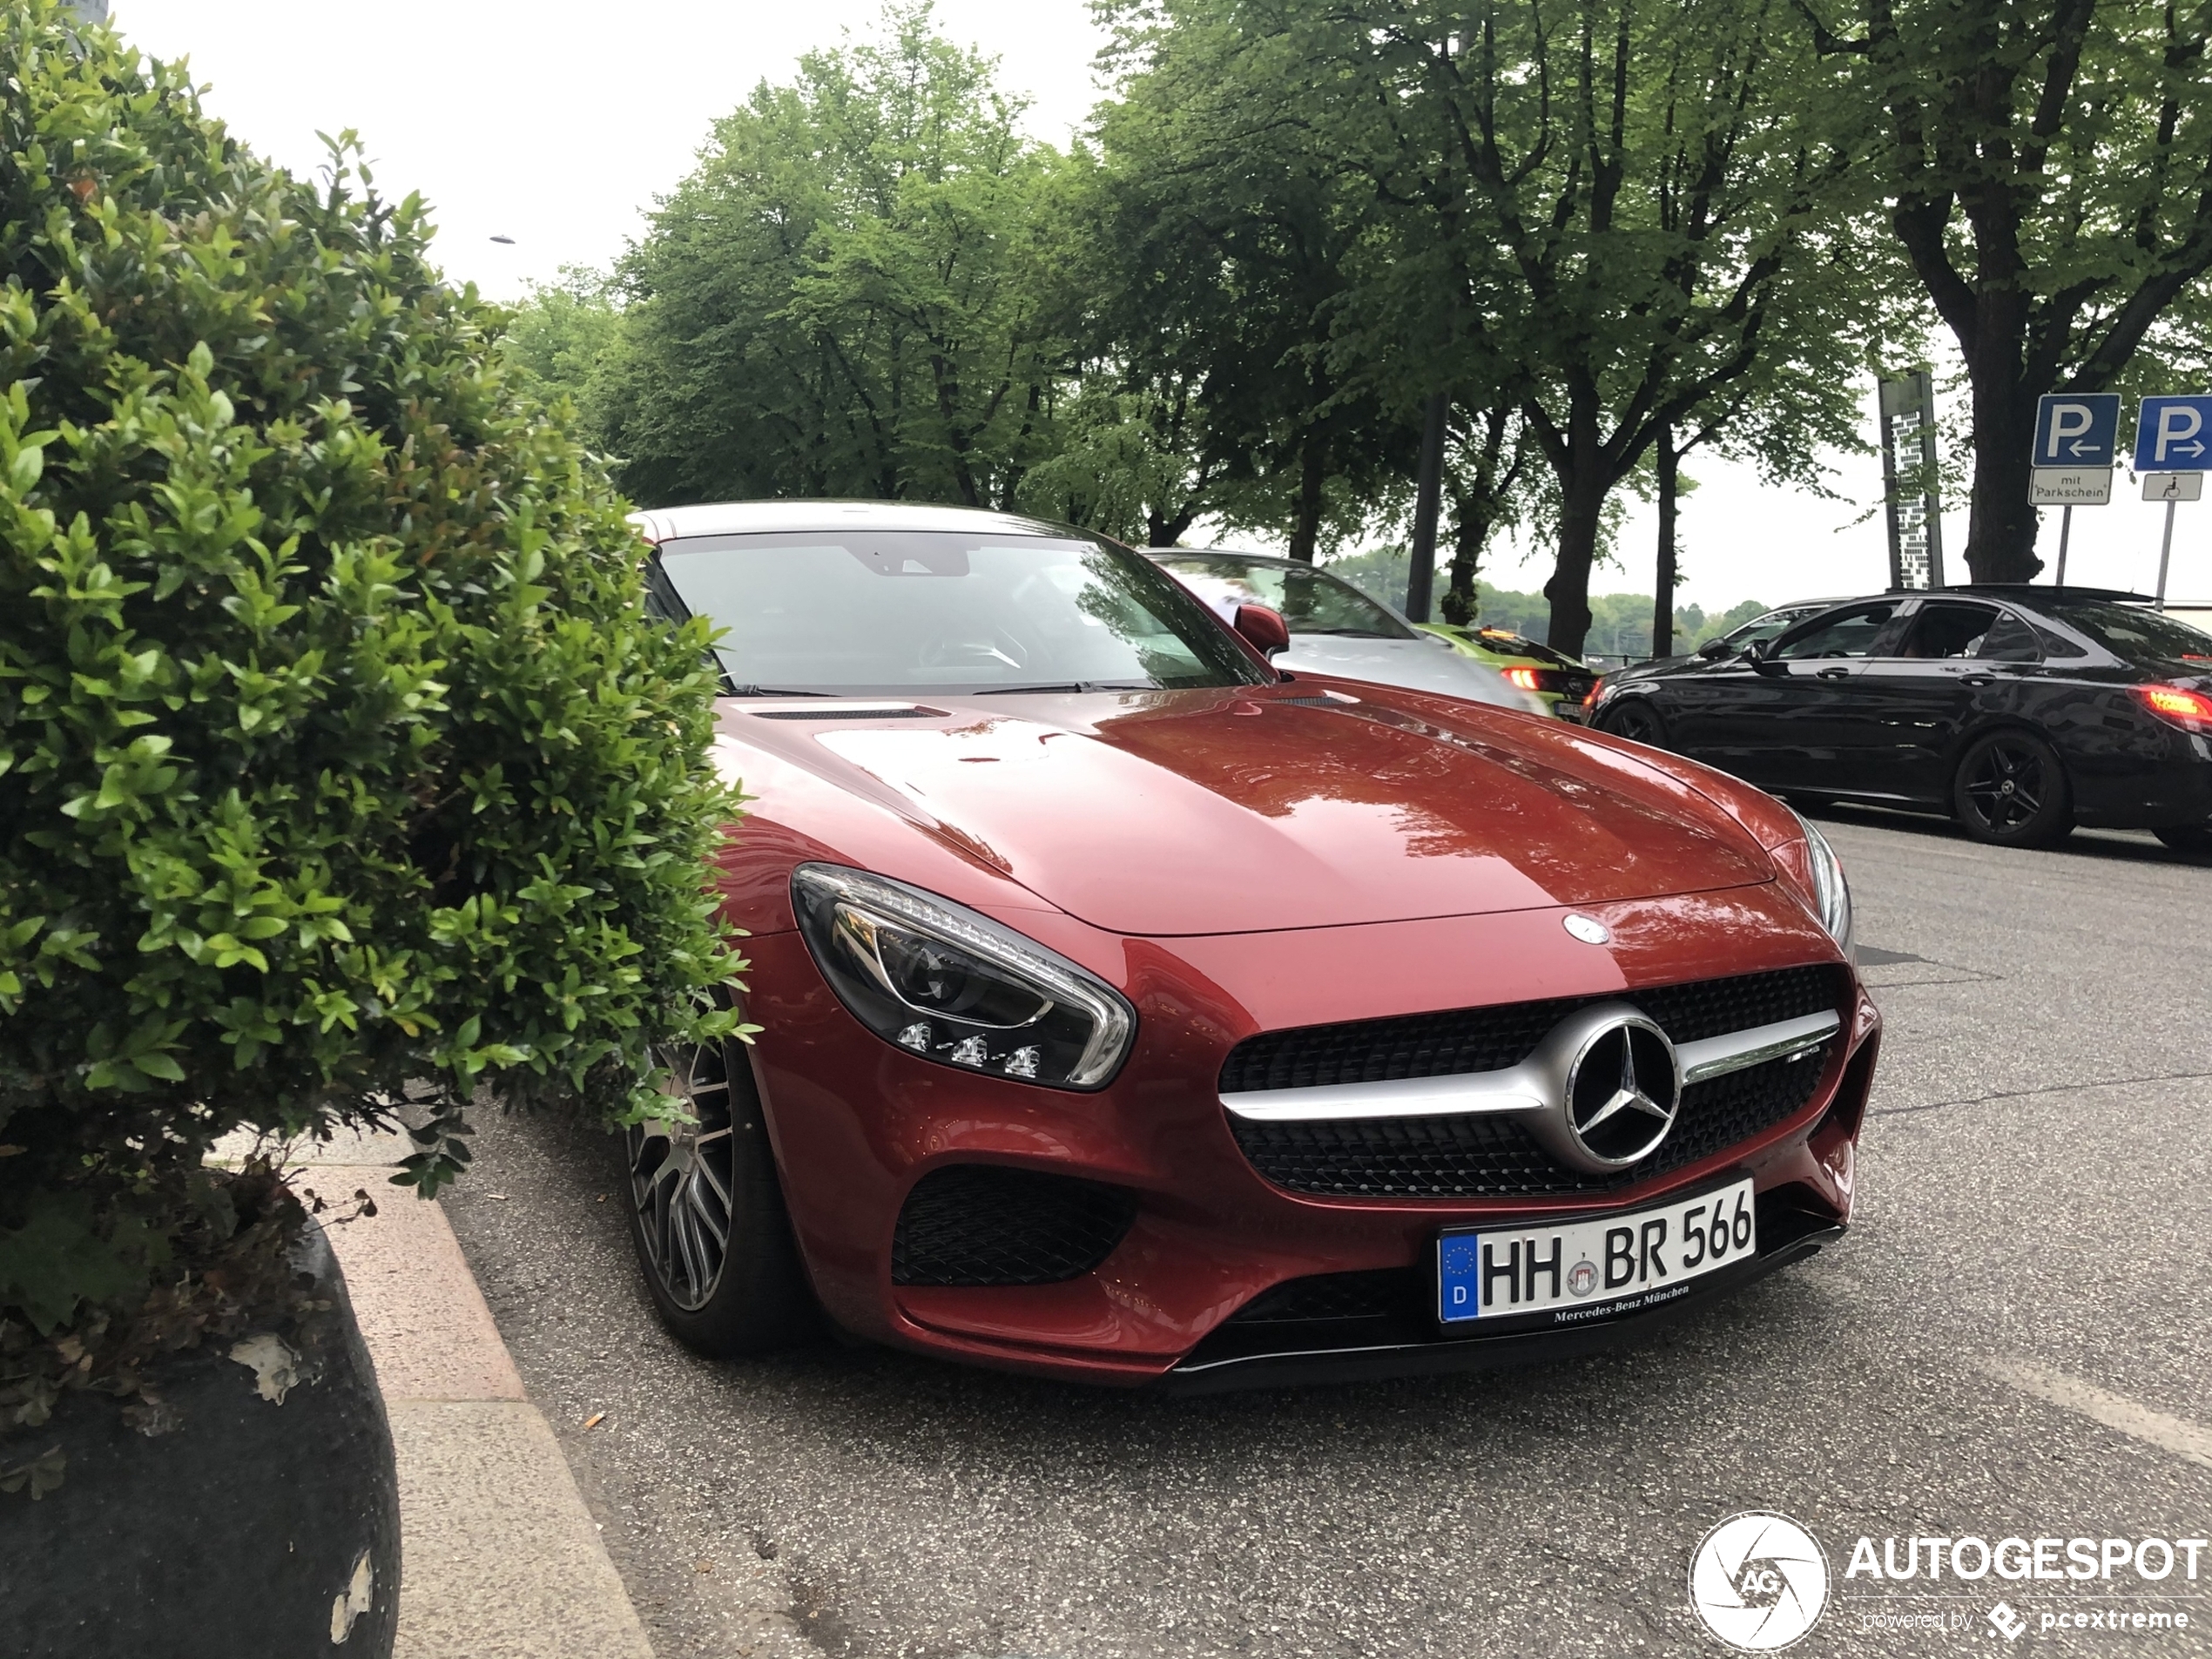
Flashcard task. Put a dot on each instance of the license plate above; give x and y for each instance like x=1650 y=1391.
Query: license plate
x=1580 y=1271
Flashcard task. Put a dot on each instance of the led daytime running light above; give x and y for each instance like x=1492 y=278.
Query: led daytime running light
x=1057 y=1024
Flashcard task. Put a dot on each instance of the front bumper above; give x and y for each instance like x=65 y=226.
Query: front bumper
x=858 y=1124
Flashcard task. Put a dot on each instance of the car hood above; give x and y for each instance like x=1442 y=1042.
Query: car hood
x=1221 y=811
x=1424 y=664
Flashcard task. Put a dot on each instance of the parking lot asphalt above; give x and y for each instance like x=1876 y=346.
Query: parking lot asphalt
x=2013 y=1340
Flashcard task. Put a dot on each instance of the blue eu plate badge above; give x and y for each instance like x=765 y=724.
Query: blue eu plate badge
x=1458 y=1278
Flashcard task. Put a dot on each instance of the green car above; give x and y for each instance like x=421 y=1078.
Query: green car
x=1555 y=678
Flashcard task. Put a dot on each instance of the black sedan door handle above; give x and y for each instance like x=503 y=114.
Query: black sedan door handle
x=1835 y=673
x=1977 y=679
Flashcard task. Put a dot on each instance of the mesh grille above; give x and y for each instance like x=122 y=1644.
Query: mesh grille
x=1477 y=1154
x=1462 y=1040
x=1332 y=1296
x=974 y=1224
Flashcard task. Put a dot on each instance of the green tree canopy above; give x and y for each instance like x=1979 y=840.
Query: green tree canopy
x=843 y=299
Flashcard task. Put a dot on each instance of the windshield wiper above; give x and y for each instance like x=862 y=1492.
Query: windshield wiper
x=1351 y=633
x=774 y=691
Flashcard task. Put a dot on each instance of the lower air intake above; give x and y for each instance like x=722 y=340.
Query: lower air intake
x=977 y=1223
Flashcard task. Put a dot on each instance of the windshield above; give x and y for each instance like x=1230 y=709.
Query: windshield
x=2135 y=634
x=1311 y=602
x=891 y=612
x=1767 y=626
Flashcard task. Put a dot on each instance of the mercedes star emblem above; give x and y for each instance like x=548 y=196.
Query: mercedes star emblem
x=1589 y=930
x=1623 y=1090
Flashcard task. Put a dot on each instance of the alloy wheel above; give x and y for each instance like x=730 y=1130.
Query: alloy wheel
x=683 y=1176
x=2007 y=785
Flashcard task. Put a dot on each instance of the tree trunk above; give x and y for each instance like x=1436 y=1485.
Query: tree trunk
x=2000 y=533
x=1313 y=473
x=1582 y=506
x=1470 y=529
x=1668 y=462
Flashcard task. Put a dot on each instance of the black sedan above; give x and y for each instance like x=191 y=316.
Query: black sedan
x=2021 y=712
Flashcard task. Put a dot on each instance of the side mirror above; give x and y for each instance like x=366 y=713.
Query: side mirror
x=1262 y=629
x=1713 y=650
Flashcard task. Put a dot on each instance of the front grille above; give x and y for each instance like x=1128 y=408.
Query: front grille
x=1462 y=1040
x=976 y=1224
x=1485 y=1155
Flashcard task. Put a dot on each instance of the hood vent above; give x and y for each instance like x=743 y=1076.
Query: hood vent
x=851 y=712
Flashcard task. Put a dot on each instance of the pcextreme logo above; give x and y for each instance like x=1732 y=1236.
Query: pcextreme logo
x=1759 y=1581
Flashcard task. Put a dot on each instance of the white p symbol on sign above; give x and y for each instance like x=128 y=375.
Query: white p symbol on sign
x=2067 y=421
x=2175 y=422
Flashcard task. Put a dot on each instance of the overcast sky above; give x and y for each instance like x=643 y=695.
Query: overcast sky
x=555 y=124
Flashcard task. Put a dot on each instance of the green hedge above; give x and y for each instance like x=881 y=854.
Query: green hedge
x=334 y=750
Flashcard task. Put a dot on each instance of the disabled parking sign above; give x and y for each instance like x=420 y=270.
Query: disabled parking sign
x=2174 y=433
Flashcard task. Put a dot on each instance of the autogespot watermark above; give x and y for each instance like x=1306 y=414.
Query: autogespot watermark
x=1760 y=1582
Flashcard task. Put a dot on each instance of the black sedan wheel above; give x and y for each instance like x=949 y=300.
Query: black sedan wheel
x=2011 y=790
x=708 y=1216
x=1635 y=719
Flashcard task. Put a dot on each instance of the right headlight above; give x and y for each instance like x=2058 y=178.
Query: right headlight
x=1832 y=894
x=949 y=985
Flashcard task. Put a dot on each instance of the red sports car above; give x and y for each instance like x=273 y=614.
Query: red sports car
x=1133 y=1013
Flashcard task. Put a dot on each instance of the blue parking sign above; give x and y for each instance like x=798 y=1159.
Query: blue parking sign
x=2077 y=428
x=2174 y=433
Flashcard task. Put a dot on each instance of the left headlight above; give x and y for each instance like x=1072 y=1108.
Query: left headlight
x=953 y=987
x=1832 y=894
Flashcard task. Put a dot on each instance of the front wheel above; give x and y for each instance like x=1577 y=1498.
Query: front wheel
x=2011 y=790
x=706 y=1213
x=1636 y=720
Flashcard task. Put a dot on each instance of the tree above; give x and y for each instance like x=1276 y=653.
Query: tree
x=1602 y=202
x=1240 y=238
x=2049 y=170
x=560 y=335
x=843 y=299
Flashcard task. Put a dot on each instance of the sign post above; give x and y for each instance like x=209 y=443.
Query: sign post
x=2173 y=448
x=2075 y=436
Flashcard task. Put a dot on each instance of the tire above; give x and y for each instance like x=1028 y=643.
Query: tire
x=2011 y=790
x=746 y=1291
x=2187 y=837
x=1635 y=719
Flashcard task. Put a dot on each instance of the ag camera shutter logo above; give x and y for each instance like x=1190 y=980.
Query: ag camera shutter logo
x=1759 y=1581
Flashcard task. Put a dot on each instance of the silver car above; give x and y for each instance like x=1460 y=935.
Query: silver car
x=1336 y=629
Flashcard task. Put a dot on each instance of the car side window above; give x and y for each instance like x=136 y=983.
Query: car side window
x=1849 y=632
x=1947 y=630
x=2057 y=645
x=2010 y=640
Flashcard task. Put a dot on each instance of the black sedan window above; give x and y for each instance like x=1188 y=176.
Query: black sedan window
x=1849 y=632
x=908 y=612
x=2010 y=640
x=1947 y=629
x=2136 y=634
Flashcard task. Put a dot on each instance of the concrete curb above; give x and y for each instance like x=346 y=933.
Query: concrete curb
x=499 y=1559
